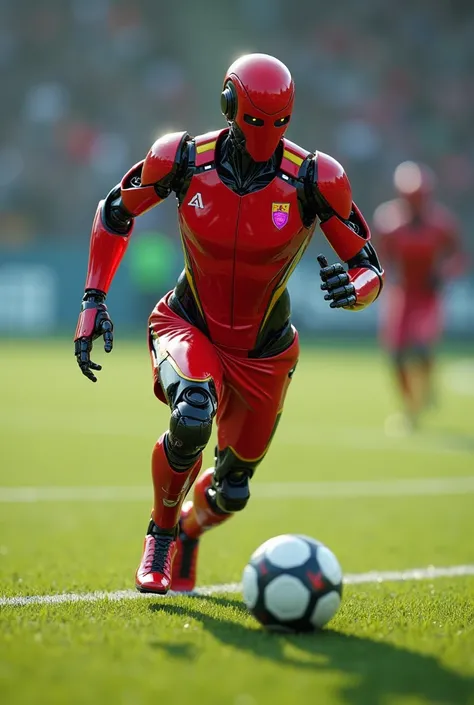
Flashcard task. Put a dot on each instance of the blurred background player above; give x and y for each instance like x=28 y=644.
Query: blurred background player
x=419 y=241
x=222 y=342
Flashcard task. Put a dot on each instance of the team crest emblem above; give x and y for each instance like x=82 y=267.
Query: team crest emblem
x=280 y=214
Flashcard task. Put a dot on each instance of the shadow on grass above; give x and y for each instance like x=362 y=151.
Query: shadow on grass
x=379 y=670
x=186 y=651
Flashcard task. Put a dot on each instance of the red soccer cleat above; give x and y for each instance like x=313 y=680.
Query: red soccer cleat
x=154 y=572
x=197 y=516
x=183 y=575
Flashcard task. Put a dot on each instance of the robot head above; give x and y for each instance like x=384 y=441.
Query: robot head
x=414 y=183
x=257 y=99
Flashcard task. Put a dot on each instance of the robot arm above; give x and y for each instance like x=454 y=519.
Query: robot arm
x=146 y=184
x=366 y=276
x=348 y=234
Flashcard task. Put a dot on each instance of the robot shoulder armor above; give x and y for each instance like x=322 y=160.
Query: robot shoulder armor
x=333 y=184
x=293 y=157
x=162 y=157
x=206 y=146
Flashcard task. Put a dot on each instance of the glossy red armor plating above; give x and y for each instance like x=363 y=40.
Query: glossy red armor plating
x=345 y=242
x=198 y=515
x=137 y=199
x=367 y=285
x=334 y=184
x=173 y=486
x=105 y=254
x=161 y=157
x=228 y=320
x=265 y=94
x=237 y=277
x=240 y=249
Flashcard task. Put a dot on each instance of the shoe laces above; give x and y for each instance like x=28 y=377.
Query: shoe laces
x=159 y=552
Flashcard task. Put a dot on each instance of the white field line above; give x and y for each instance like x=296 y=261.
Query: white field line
x=269 y=490
x=374 y=576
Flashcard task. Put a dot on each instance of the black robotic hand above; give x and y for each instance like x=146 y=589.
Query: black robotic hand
x=94 y=322
x=337 y=284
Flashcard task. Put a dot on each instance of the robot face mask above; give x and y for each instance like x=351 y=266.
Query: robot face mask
x=258 y=97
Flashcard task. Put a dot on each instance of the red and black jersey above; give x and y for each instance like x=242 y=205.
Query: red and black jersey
x=241 y=249
x=244 y=226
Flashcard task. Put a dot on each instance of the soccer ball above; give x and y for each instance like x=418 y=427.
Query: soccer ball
x=292 y=583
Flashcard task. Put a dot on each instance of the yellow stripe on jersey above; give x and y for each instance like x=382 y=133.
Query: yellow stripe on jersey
x=262 y=455
x=190 y=278
x=284 y=280
x=205 y=147
x=292 y=157
x=249 y=460
x=178 y=371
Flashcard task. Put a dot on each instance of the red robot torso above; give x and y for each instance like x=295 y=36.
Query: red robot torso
x=240 y=250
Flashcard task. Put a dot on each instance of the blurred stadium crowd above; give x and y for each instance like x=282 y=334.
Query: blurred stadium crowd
x=87 y=85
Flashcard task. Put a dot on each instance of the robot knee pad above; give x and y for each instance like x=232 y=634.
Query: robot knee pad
x=230 y=484
x=190 y=424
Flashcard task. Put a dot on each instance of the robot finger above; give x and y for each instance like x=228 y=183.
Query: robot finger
x=107 y=331
x=331 y=271
x=336 y=281
x=343 y=303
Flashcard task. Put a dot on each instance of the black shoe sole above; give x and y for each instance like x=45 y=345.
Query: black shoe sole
x=151 y=592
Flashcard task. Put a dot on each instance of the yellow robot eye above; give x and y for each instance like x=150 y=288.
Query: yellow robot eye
x=257 y=122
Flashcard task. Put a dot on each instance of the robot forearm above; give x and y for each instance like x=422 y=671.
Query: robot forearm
x=107 y=248
x=367 y=286
x=348 y=236
x=144 y=186
x=367 y=277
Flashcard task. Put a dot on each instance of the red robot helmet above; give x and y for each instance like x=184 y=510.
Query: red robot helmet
x=258 y=97
x=414 y=183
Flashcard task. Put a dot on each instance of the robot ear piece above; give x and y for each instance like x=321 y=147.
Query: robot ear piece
x=229 y=101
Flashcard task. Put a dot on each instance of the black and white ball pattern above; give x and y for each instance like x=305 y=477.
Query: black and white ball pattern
x=293 y=583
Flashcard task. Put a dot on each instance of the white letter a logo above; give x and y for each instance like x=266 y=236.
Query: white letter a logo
x=196 y=201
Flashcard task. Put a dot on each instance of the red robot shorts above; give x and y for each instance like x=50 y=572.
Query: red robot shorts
x=410 y=322
x=250 y=391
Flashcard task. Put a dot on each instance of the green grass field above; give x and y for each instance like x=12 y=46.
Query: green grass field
x=392 y=643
